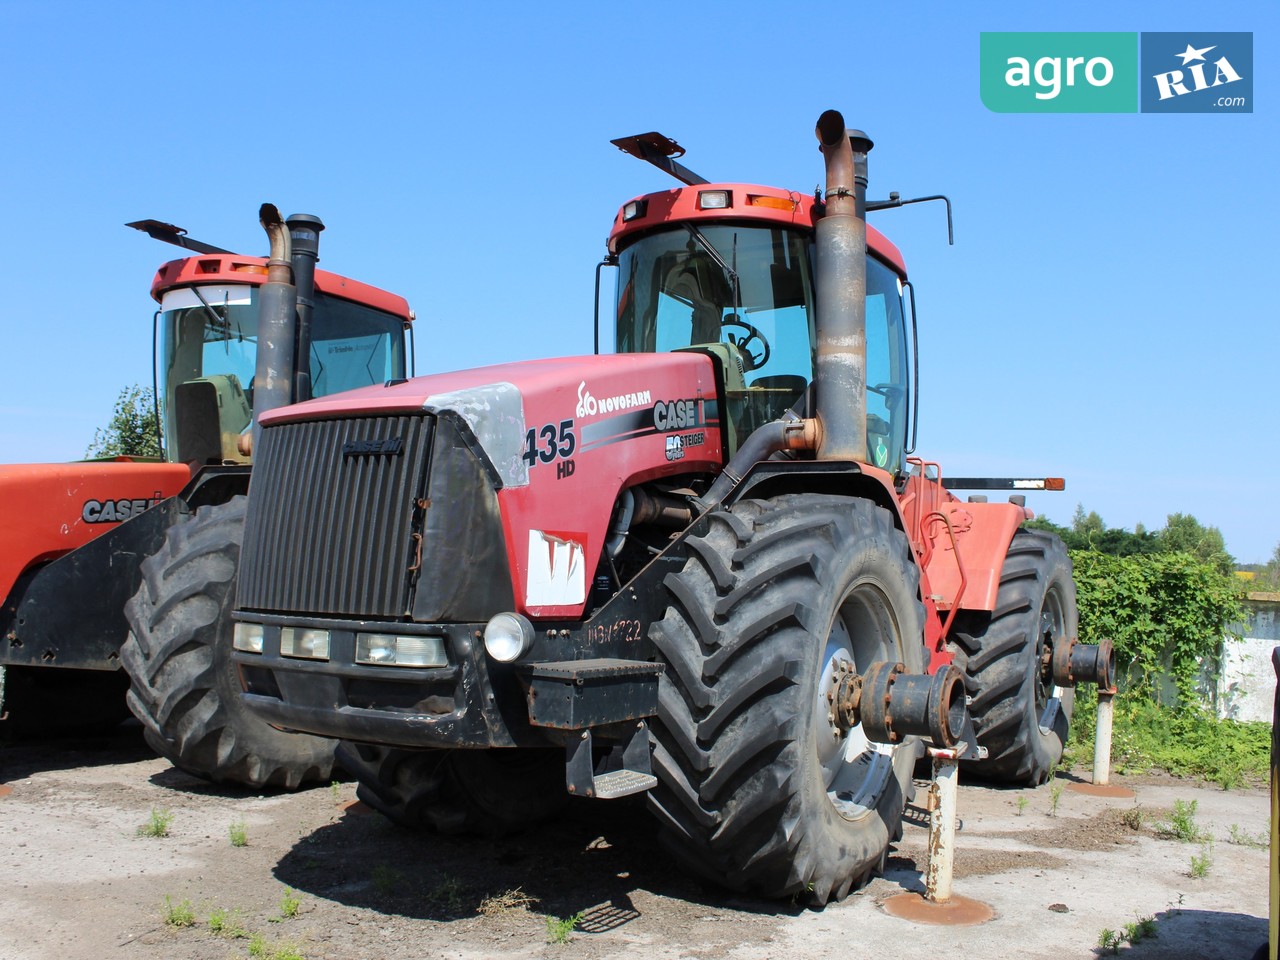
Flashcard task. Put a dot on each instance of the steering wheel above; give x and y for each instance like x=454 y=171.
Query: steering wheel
x=892 y=393
x=733 y=320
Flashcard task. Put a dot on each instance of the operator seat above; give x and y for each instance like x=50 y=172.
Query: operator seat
x=211 y=412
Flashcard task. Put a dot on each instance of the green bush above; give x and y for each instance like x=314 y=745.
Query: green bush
x=1184 y=741
x=1166 y=613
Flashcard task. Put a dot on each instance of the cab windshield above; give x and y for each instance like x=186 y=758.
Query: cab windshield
x=745 y=294
x=209 y=340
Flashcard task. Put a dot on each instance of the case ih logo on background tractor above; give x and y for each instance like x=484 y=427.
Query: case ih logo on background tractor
x=746 y=599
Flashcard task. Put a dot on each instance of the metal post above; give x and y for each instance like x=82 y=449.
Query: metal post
x=1102 y=738
x=942 y=826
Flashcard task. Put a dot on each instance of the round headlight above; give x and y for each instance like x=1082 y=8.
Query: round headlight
x=508 y=637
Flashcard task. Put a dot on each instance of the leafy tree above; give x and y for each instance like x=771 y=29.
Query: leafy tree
x=1268 y=577
x=132 y=429
x=1183 y=533
x=1089 y=532
x=1084 y=526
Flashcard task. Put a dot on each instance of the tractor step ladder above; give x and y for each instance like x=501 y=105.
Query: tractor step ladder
x=606 y=699
x=623 y=771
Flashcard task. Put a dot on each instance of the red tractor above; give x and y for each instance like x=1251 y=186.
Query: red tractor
x=90 y=535
x=704 y=567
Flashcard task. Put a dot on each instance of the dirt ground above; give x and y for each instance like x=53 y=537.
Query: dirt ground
x=79 y=881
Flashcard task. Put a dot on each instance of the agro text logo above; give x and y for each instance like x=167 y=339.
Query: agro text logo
x=1059 y=72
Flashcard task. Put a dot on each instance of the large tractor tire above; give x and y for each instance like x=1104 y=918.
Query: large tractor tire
x=185 y=689
x=486 y=792
x=1004 y=656
x=758 y=790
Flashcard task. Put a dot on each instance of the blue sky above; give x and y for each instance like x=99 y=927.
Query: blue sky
x=1108 y=312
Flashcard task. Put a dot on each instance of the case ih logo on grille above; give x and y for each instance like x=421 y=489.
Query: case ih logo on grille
x=390 y=447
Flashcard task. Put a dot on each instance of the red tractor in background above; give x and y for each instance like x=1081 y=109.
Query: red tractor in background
x=705 y=568
x=92 y=534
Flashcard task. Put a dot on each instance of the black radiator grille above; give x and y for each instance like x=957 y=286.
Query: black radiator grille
x=331 y=515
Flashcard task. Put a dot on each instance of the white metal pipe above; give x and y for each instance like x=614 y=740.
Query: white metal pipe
x=1102 y=738
x=942 y=826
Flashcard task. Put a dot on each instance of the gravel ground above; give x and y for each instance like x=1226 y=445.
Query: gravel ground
x=80 y=881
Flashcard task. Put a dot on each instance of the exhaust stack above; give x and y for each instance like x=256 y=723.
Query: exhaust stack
x=277 y=322
x=304 y=241
x=841 y=287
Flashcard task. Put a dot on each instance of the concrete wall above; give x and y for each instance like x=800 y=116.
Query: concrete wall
x=1247 y=682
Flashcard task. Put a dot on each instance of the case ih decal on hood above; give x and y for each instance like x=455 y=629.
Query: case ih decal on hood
x=663 y=416
x=114 y=511
x=548 y=460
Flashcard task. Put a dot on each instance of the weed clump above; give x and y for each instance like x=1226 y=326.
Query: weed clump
x=157 y=824
x=558 y=930
x=180 y=914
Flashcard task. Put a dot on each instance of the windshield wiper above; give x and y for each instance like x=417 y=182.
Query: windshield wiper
x=720 y=261
x=215 y=321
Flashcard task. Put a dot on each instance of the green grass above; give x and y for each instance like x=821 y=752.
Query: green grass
x=263 y=949
x=558 y=930
x=1147 y=737
x=1242 y=838
x=239 y=834
x=1200 y=864
x=1143 y=928
x=289 y=904
x=1181 y=825
x=226 y=923
x=180 y=914
x=448 y=894
x=387 y=880
x=157 y=824
x=1055 y=796
x=1110 y=941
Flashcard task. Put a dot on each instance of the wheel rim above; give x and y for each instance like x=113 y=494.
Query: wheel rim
x=1052 y=626
x=854 y=771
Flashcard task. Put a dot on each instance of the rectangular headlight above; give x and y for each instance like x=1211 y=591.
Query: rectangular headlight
x=305 y=643
x=634 y=210
x=247 y=637
x=713 y=200
x=386 y=649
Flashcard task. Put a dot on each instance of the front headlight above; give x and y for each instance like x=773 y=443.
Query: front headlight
x=386 y=649
x=247 y=637
x=508 y=637
x=307 y=644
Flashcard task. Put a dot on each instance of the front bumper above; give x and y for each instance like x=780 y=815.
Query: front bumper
x=472 y=702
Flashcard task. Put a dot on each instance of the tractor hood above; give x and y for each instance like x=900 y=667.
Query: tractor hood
x=520 y=412
x=527 y=462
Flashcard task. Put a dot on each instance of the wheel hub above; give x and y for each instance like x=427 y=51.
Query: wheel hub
x=855 y=771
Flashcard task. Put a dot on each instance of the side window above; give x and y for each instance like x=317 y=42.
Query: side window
x=352 y=346
x=886 y=369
